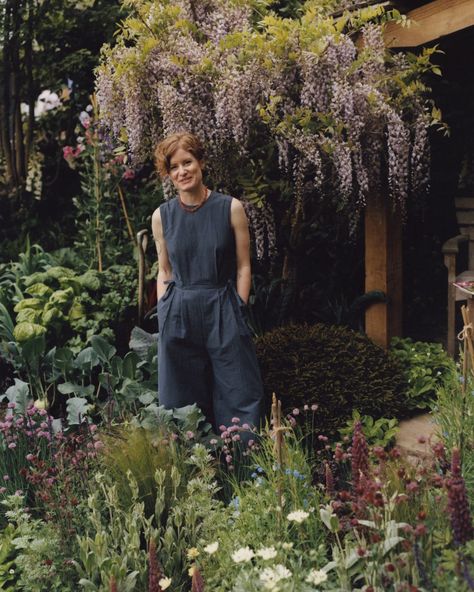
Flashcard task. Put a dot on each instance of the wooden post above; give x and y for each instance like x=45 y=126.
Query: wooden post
x=383 y=269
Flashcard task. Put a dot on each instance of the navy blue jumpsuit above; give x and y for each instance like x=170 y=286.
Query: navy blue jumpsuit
x=206 y=354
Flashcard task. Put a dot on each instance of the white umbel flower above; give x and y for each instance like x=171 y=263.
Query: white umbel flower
x=271 y=576
x=243 y=554
x=212 y=548
x=267 y=553
x=316 y=576
x=297 y=516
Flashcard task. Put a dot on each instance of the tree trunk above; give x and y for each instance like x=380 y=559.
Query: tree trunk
x=10 y=171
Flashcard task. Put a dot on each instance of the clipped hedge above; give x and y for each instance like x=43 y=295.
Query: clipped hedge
x=332 y=366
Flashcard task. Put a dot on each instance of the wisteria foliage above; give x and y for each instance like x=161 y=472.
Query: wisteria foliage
x=339 y=108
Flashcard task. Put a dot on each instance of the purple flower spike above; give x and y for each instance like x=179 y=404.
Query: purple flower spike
x=360 y=455
x=458 y=504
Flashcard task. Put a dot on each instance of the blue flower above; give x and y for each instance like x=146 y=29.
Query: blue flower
x=235 y=502
x=254 y=475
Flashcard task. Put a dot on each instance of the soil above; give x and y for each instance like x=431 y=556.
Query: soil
x=416 y=435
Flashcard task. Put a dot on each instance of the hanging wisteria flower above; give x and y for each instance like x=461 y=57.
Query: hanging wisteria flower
x=267 y=553
x=316 y=577
x=243 y=554
x=328 y=109
x=297 y=516
x=271 y=576
x=212 y=548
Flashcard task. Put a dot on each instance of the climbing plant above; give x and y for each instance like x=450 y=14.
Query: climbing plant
x=295 y=110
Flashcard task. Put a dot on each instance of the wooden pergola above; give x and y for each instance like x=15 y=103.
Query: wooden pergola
x=383 y=229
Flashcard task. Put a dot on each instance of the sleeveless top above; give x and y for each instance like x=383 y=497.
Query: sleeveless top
x=200 y=244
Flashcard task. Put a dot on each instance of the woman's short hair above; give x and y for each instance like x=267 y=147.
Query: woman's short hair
x=167 y=147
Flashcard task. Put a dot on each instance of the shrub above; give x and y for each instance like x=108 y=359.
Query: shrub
x=335 y=368
x=427 y=367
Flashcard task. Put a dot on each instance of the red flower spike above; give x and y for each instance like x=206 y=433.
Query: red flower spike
x=154 y=570
x=197 y=584
x=360 y=455
x=458 y=504
x=113 y=585
x=329 y=480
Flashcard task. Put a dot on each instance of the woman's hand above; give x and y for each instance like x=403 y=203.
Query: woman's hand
x=239 y=223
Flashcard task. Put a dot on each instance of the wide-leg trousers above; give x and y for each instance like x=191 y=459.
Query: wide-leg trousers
x=206 y=354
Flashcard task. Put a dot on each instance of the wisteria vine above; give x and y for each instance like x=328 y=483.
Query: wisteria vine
x=336 y=109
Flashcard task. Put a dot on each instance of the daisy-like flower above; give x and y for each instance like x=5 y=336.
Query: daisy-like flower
x=297 y=516
x=267 y=553
x=243 y=554
x=271 y=576
x=316 y=576
x=164 y=583
x=192 y=553
x=212 y=548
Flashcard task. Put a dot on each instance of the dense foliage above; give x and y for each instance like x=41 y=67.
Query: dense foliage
x=333 y=367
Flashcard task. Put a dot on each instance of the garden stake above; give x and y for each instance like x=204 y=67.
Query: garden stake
x=468 y=348
x=277 y=434
x=125 y=213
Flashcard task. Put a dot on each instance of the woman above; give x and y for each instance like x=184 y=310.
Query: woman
x=206 y=354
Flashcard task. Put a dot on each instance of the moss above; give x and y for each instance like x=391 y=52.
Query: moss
x=332 y=366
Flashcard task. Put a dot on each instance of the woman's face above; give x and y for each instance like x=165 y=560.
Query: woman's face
x=185 y=171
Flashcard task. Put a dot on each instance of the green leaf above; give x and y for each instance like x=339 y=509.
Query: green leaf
x=108 y=380
x=19 y=393
x=86 y=359
x=77 y=410
x=147 y=398
x=25 y=331
x=69 y=388
x=390 y=543
x=141 y=342
x=34 y=303
x=329 y=519
x=130 y=362
x=102 y=348
x=189 y=417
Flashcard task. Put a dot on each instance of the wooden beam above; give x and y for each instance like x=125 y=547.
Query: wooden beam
x=383 y=269
x=430 y=22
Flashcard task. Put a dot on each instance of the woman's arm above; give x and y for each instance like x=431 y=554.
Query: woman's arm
x=239 y=223
x=164 y=267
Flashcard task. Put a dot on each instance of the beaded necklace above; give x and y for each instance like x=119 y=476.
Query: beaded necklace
x=191 y=208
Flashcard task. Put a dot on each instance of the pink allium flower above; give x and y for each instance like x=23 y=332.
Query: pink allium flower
x=296 y=411
x=235 y=420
